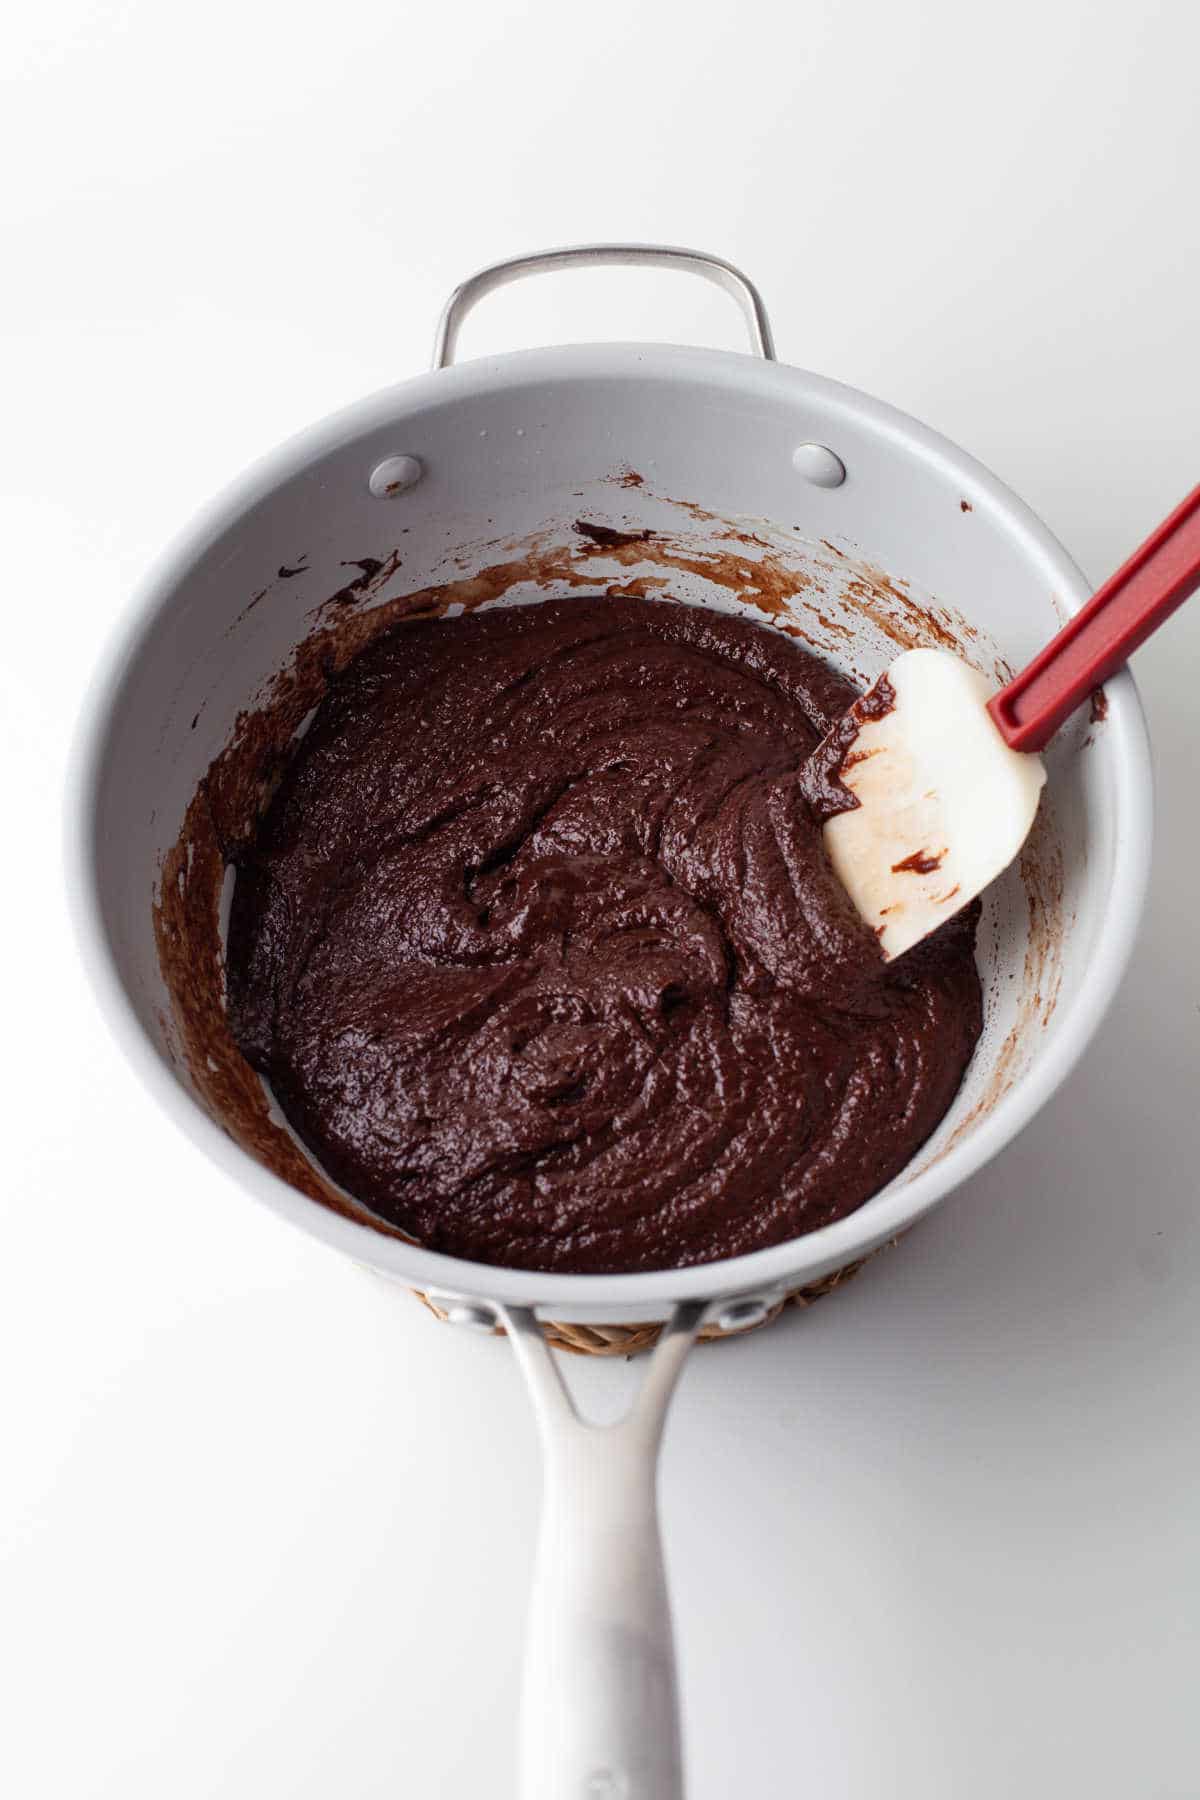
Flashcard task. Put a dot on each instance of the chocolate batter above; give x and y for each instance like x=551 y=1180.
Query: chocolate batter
x=540 y=952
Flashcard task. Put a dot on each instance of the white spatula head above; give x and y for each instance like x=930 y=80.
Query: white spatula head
x=922 y=800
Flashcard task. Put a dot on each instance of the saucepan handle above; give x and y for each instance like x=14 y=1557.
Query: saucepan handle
x=577 y=256
x=600 y=1713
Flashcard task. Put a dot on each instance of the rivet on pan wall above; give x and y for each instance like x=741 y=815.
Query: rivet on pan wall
x=819 y=465
x=393 y=475
x=740 y=1315
x=470 y=1314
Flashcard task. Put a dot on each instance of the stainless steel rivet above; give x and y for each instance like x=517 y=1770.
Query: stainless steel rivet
x=818 y=464
x=474 y=1317
x=393 y=475
x=741 y=1315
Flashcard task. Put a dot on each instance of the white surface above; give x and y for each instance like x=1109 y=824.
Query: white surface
x=265 y=1527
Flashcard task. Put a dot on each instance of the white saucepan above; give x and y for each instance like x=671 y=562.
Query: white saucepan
x=767 y=490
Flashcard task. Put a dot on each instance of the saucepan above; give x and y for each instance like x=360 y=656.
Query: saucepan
x=696 y=476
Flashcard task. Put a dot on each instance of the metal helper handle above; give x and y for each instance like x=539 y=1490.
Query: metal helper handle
x=585 y=256
x=600 y=1711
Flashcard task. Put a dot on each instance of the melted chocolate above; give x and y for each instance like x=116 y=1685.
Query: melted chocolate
x=613 y=540
x=919 y=863
x=540 y=952
x=821 y=781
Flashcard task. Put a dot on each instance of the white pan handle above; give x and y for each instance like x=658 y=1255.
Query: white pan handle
x=600 y=1713
x=657 y=256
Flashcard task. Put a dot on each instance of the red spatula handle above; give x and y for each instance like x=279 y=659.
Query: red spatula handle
x=1118 y=617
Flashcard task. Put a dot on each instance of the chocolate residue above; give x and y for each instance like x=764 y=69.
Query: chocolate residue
x=629 y=478
x=611 y=539
x=372 y=568
x=250 y=605
x=920 y=863
x=965 y=506
x=1099 y=706
x=642 y=587
x=832 y=626
x=821 y=783
x=906 y=621
x=286 y=574
x=764 y=580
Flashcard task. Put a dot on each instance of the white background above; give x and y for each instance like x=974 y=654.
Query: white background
x=266 y=1527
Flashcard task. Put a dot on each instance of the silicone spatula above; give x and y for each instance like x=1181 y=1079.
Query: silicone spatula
x=930 y=783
